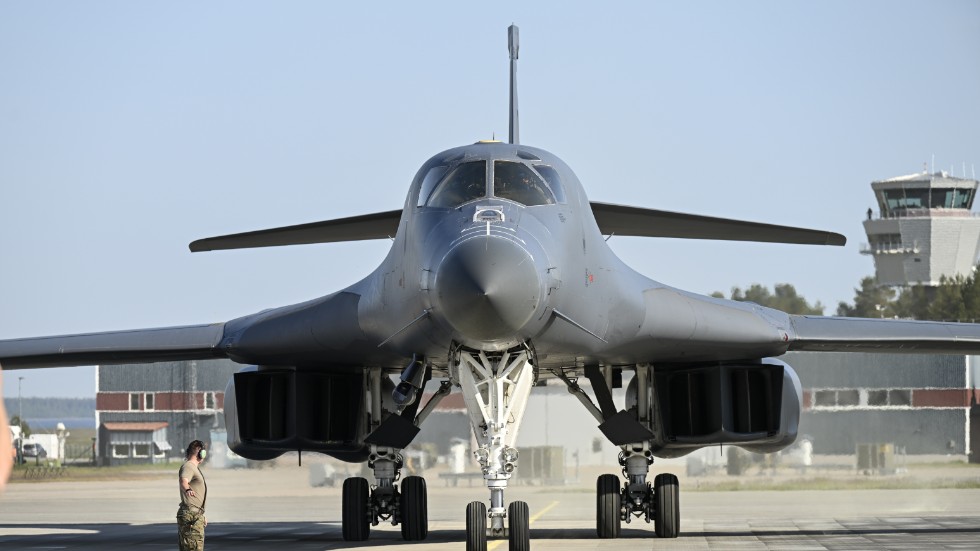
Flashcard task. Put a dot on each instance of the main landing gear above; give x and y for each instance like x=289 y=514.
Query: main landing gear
x=636 y=497
x=630 y=430
x=495 y=388
x=404 y=504
x=364 y=506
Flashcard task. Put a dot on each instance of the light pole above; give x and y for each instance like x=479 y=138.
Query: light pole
x=20 y=419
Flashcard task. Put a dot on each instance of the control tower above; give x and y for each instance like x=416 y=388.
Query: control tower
x=925 y=229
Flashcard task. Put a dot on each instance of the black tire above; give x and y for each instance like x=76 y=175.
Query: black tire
x=608 y=498
x=476 y=526
x=667 y=517
x=520 y=529
x=414 y=509
x=356 y=525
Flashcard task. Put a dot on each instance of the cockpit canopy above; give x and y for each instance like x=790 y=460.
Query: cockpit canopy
x=449 y=185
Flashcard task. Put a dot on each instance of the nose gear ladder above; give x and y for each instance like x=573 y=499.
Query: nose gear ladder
x=495 y=388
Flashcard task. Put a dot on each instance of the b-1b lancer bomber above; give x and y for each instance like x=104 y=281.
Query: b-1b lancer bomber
x=499 y=276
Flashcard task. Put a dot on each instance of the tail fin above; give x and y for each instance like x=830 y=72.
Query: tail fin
x=512 y=45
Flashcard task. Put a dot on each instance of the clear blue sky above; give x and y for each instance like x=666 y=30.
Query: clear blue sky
x=128 y=130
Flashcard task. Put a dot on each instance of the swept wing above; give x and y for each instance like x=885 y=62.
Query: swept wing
x=611 y=218
x=822 y=334
x=189 y=342
x=642 y=222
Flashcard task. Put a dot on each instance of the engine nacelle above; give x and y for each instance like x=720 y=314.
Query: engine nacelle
x=269 y=411
x=753 y=405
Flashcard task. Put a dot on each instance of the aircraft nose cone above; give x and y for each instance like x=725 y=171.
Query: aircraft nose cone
x=488 y=288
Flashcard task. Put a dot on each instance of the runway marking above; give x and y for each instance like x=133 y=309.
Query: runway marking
x=497 y=543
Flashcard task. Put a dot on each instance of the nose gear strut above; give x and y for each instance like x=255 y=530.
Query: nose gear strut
x=495 y=388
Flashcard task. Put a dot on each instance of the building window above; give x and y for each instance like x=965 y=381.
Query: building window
x=120 y=450
x=209 y=401
x=826 y=398
x=141 y=450
x=134 y=401
x=148 y=401
x=848 y=398
x=877 y=397
x=900 y=397
x=856 y=398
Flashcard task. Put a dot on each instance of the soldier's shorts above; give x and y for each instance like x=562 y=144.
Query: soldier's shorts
x=190 y=529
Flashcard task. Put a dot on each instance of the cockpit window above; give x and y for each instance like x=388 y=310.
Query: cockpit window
x=430 y=180
x=466 y=182
x=517 y=182
x=550 y=175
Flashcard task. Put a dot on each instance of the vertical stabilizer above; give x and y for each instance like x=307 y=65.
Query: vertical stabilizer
x=512 y=45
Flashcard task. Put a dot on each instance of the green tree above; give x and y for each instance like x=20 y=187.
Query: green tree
x=971 y=298
x=948 y=303
x=783 y=298
x=913 y=302
x=870 y=301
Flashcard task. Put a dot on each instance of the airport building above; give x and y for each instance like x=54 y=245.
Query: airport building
x=921 y=404
x=148 y=413
x=924 y=229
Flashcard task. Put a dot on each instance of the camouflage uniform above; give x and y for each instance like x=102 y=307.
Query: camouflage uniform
x=190 y=529
x=190 y=514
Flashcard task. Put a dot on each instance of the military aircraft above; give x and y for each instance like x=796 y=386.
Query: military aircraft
x=499 y=277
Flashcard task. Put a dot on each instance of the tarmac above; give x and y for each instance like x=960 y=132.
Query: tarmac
x=277 y=508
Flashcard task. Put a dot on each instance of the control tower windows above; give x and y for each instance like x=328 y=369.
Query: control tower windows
x=926 y=198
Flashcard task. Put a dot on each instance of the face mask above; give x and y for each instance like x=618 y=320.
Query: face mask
x=202 y=454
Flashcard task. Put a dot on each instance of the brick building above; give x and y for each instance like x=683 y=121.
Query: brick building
x=147 y=413
x=926 y=404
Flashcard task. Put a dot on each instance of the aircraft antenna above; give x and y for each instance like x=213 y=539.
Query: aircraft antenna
x=512 y=46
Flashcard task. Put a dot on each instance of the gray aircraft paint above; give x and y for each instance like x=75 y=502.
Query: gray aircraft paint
x=584 y=304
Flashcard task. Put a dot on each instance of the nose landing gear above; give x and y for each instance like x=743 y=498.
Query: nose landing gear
x=495 y=389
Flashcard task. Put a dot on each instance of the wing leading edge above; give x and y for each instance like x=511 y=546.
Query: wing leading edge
x=189 y=342
x=612 y=219
x=640 y=222
x=826 y=334
x=378 y=225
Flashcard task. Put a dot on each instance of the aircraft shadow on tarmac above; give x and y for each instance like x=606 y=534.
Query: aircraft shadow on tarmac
x=249 y=534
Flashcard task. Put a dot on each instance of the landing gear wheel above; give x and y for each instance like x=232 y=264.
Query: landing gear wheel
x=356 y=525
x=520 y=530
x=667 y=517
x=476 y=526
x=608 y=498
x=414 y=509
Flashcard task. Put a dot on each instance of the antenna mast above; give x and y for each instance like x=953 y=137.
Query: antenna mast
x=512 y=45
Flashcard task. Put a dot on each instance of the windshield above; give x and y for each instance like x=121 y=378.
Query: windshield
x=517 y=182
x=550 y=175
x=430 y=180
x=466 y=182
